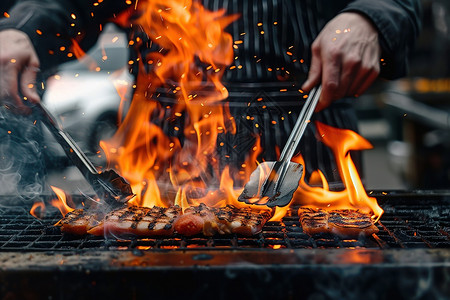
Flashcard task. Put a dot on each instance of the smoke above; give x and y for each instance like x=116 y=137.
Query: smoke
x=22 y=167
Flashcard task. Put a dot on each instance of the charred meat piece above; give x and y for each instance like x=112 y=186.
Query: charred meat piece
x=78 y=222
x=225 y=220
x=244 y=221
x=197 y=220
x=343 y=223
x=138 y=221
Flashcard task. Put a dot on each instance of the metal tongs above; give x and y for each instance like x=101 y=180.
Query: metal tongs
x=108 y=185
x=274 y=183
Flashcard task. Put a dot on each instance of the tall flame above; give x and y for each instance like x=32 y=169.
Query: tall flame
x=194 y=52
x=168 y=152
x=341 y=142
x=61 y=202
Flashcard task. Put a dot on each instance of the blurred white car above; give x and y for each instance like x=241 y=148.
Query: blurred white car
x=85 y=95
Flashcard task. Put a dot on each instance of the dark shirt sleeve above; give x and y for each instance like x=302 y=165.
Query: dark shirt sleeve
x=398 y=23
x=53 y=25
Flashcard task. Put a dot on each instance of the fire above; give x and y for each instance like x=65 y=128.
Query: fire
x=168 y=152
x=61 y=202
x=184 y=166
x=354 y=196
x=38 y=210
x=167 y=149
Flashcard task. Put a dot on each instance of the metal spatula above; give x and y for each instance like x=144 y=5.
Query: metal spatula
x=108 y=185
x=274 y=183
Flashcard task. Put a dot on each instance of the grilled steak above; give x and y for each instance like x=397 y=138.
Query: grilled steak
x=78 y=222
x=344 y=223
x=225 y=220
x=140 y=221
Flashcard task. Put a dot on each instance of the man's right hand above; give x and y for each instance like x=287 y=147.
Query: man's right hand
x=19 y=64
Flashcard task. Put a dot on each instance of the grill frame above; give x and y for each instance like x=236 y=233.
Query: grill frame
x=352 y=272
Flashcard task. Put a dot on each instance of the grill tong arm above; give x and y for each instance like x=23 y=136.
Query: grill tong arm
x=108 y=185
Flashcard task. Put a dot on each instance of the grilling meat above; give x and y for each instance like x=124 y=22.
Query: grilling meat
x=78 y=222
x=225 y=220
x=243 y=221
x=140 y=221
x=159 y=221
x=196 y=220
x=343 y=223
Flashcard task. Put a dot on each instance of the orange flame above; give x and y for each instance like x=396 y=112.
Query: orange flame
x=354 y=196
x=61 y=202
x=38 y=210
x=158 y=165
x=164 y=169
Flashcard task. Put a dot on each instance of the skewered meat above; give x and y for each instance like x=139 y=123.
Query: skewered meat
x=344 y=223
x=78 y=222
x=140 y=221
x=225 y=220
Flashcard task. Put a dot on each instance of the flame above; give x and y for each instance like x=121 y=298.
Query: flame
x=354 y=196
x=61 y=202
x=163 y=169
x=38 y=210
x=168 y=152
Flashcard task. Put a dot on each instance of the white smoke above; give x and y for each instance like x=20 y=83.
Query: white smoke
x=21 y=160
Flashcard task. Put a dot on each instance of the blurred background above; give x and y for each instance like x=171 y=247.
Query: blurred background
x=407 y=120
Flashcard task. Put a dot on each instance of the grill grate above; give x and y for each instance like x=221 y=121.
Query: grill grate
x=406 y=223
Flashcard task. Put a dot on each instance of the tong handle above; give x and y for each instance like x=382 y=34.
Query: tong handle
x=300 y=126
x=65 y=140
x=280 y=168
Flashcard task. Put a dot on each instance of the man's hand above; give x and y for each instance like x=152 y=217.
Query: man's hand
x=19 y=64
x=345 y=58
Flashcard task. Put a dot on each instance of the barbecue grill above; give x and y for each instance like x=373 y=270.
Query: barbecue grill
x=409 y=258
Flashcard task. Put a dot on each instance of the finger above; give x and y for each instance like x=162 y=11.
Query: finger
x=350 y=69
x=365 y=84
x=28 y=84
x=365 y=77
x=315 y=70
x=330 y=80
x=10 y=91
